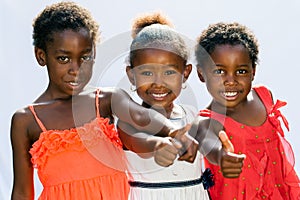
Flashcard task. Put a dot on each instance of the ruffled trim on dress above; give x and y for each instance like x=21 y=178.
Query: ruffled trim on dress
x=55 y=141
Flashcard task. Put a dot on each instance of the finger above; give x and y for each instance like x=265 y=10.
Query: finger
x=190 y=154
x=164 y=158
x=231 y=175
x=235 y=157
x=163 y=161
x=227 y=145
x=176 y=143
x=180 y=131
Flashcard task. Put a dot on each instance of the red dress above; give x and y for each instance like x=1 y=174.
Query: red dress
x=268 y=171
x=82 y=163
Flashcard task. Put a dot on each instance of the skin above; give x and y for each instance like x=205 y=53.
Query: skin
x=69 y=60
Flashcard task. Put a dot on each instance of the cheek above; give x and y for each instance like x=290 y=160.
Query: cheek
x=141 y=83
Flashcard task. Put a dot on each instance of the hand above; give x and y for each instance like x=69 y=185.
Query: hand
x=190 y=146
x=165 y=152
x=231 y=163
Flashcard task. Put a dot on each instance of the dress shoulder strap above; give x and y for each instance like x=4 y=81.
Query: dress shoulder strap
x=41 y=125
x=97 y=103
x=265 y=95
x=272 y=109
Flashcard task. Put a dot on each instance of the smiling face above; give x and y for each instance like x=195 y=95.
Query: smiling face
x=69 y=59
x=229 y=79
x=158 y=76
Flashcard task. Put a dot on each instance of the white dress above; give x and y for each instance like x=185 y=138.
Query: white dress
x=180 y=181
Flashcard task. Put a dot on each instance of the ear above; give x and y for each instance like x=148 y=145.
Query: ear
x=130 y=75
x=253 y=72
x=94 y=51
x=40 y=56
x=200 y=74
x=186 y=72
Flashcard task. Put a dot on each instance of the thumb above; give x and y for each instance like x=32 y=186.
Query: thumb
x=181 y=131
x=227 y=145
x=176 y=143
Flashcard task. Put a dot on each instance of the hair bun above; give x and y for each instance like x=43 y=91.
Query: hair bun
x=148 y=19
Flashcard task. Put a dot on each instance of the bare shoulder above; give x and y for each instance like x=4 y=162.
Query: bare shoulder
x=22 y=117
x=21 y=121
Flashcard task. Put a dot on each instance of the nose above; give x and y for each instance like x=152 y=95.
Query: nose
x=74 y=66
x=158 y=79
x=230 y=79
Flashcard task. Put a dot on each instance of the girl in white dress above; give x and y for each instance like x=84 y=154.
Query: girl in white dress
x=158 y=68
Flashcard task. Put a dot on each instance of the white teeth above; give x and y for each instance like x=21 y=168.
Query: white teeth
x=74 y=84
x=159 y=95
x=230 y=94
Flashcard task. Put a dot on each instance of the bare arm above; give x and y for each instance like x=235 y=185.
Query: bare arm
x=217 y=149
x=23 y=188
x=142 y=119
x=141 y=143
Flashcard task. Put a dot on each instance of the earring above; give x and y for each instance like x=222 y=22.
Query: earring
x=132 y=88
x=183 y=86
x=41 y=62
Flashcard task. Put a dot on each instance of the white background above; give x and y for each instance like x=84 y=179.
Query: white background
x=275 y=23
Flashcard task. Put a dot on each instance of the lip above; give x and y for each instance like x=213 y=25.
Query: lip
x=230 y=95
x=159 y=96
x=74 y=85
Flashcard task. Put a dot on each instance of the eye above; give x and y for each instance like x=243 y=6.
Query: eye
x=87 y=58
x=242 y=71
x=218 y=71
x=170 y=72
x=146 y=73
x=63 y=59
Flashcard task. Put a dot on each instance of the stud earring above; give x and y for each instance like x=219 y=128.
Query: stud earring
x=132 y=88
x=183 y=86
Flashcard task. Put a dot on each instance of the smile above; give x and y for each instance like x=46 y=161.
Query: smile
x=159 y=95
x=229 y=94
x=74 y=83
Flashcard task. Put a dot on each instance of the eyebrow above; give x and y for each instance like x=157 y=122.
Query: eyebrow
x=152 y=65
x=87 y=50
x=241 y=65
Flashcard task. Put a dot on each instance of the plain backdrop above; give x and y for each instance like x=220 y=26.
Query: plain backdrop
x=275 y=23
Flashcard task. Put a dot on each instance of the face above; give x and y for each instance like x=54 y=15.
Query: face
x=158 y=76
x=229 y=78
x=69 y=59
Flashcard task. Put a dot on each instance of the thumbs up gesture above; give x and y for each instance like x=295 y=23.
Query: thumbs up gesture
x=231 y=163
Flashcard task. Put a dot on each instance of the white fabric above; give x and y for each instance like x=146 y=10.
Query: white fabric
x=146 y=170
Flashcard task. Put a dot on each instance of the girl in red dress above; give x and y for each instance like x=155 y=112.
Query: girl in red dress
x=226 y=62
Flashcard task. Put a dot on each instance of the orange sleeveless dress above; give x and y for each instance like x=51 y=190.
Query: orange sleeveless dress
x=83 y=163
x=268 y=171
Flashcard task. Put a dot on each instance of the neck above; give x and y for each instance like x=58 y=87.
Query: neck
x=164 y=110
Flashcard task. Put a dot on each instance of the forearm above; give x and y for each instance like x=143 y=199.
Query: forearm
x=142 y=119
x=21 y=196
x=138 y=142
x=213 y=154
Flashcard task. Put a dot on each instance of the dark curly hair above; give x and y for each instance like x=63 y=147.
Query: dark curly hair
x=226 y=33
x=59 y=17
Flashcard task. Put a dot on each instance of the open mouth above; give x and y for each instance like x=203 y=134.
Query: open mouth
x=230 y=95
x=159 y=95
x=74 y=83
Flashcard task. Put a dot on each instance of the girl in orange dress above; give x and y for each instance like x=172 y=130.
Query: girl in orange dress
x=227 y=57
x=68 y=132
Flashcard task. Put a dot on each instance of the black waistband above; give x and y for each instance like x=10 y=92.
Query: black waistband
x=206 y=179
x=165 y=184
